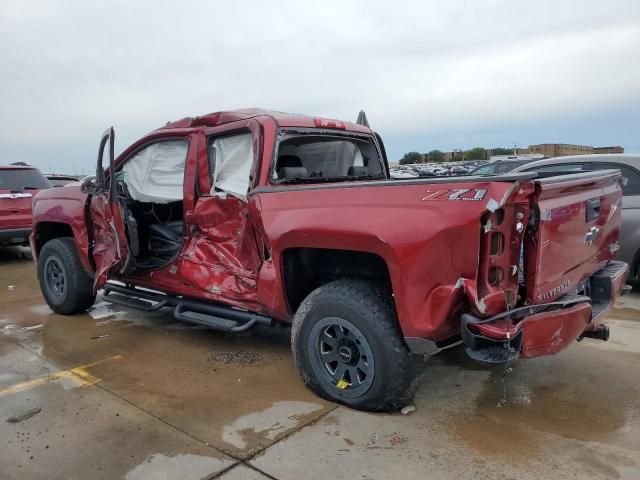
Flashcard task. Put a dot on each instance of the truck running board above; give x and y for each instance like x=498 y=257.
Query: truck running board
x=134 y=298
x=213 y=321
x=218 y=317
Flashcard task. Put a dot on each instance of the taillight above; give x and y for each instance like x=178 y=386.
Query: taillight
x=326 y=123
x=499 y=270
x=495 y=276
x=496 y=245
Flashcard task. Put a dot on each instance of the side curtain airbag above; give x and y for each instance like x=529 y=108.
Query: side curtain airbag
x=233 y=162
x=156 y=173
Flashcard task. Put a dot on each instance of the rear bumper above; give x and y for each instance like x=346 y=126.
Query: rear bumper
x=541 y=330
x=14 y=236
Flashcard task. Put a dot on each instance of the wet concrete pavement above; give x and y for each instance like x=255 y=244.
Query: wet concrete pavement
x=122 y=394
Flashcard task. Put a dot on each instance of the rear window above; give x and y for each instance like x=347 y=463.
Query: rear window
x=631 y=174
x=22 y=179
x=485 y=170
x=329 y=158
x=498 y=167
x=559 y=168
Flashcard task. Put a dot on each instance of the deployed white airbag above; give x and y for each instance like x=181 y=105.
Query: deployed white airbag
x=156 y=173
x=233 y=157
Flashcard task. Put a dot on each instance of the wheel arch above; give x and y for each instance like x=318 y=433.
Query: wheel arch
x=46 y=231
x=306 y=268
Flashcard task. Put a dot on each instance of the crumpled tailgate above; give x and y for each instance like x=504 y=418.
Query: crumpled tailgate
x=575 y=234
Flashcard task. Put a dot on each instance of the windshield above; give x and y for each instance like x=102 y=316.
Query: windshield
x=485 y=170
x=311 y=158
x=18 y=180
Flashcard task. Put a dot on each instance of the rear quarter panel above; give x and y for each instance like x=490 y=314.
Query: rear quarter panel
x=427 y=243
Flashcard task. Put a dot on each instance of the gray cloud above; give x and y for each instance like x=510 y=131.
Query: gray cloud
x=443 y=71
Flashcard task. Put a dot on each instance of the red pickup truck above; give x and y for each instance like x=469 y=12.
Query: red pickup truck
x=249 y=217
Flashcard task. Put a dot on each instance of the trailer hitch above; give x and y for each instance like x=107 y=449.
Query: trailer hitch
x=600 y=333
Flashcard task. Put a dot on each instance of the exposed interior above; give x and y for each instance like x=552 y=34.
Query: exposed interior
x=309 y=157
x=150 y=184
x=156 y=232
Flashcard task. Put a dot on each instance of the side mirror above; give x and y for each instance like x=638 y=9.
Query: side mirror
x=89 y=185
x=101 y=179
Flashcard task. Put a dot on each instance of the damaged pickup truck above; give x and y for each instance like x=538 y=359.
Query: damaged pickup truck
x=251 y=217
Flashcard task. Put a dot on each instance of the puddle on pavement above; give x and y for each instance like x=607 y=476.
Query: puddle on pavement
x=625 y=313
x=571 y=397
x=243 y=391
x=185 y=466
x=250 y=430
x=242 y=387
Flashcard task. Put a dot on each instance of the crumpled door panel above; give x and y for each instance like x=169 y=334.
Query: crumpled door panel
x=221 y=256
x=110 y=251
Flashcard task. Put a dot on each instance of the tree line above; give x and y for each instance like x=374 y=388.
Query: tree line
x=434 y=156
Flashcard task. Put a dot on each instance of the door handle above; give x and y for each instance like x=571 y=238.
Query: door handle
x=593 y=209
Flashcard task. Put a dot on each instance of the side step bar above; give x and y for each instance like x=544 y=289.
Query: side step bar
x=218 y=317
x=135 y=298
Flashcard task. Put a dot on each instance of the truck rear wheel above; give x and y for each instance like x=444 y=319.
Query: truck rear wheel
x=348 y=348
x=65 y=284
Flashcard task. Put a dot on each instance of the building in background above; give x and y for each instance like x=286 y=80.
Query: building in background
x=616 y=149
x=454 y=156
x=560 y=149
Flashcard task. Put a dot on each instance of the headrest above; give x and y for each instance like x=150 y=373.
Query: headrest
x=286 y=161
x=358 y=171
x=292 y=172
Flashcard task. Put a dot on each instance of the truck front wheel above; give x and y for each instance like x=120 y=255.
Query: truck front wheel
x=348 y=348
x=66 y=286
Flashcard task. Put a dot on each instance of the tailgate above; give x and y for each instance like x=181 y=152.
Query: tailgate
x=575 y=232
x=15 y=209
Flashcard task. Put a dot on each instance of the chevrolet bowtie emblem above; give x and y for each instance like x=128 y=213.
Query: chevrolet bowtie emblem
x=591 y=235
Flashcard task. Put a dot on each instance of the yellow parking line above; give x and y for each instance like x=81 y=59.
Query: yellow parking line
x=77 y=374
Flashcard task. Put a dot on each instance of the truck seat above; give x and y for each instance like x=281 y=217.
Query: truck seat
x=290 y=166
x=165 y=239
x=358 y=171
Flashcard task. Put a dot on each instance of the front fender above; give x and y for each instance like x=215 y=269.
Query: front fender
x=61 y=206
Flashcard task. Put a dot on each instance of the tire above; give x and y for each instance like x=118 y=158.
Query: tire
x=65 y=284
x=353 y=320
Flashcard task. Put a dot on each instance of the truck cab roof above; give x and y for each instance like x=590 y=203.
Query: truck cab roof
x=281 y=118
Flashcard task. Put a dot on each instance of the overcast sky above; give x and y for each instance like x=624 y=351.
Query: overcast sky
x=429 y=74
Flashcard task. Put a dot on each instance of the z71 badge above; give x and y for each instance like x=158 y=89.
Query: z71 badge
x=468 y=194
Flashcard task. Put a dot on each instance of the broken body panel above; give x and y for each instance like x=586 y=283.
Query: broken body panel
x=451 y=246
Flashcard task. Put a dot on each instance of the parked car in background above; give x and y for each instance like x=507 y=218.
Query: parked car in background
x=499 y=166
x=458 y=170
x=18 y=185
x=629 y=166
x=60 y=180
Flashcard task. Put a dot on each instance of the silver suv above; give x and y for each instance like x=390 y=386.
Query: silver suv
x=629 y=165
